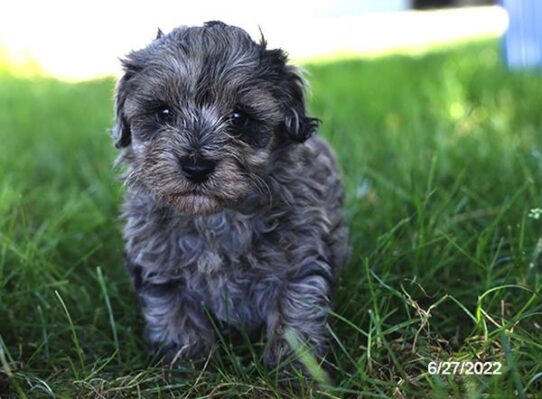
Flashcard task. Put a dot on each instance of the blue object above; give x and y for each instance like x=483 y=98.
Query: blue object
x=523 y=40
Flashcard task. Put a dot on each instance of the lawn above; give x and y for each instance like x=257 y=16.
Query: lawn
x=442 y=159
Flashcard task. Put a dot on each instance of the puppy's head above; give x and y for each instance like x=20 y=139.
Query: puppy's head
x=199 y=111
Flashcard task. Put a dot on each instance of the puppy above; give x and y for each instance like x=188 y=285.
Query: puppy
x=232 y=208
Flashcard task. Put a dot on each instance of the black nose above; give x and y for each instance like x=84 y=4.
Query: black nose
x=197 y=170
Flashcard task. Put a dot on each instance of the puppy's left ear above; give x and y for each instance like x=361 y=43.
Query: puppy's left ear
x=296 y=123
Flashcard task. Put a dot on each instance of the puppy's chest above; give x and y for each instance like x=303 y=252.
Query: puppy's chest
x=226 y=260
x=217 y=253
x=214 y=244
x=229 y=259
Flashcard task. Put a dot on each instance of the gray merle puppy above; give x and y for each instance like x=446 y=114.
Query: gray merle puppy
x=232 y=210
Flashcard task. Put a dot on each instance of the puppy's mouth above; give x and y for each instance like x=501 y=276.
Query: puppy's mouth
x=195 y=203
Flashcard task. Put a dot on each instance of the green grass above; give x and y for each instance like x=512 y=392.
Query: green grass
x=442 y=159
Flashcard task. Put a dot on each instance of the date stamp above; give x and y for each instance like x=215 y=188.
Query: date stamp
x=464 y=368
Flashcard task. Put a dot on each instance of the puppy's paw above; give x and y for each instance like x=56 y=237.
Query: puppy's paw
x=276 y=351
x=190 y=354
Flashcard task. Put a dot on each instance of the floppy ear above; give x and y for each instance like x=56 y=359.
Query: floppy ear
x=132 y=64
x=121 y=129
x=296 y=123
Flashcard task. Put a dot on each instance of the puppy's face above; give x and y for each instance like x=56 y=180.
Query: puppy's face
x=199 y=112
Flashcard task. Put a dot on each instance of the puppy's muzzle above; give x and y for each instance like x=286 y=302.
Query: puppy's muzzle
x=197 y=170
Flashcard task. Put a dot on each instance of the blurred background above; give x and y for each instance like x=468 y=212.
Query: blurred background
x=82 y=40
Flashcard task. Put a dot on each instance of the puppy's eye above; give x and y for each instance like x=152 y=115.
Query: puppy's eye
x=238 y=119
x=163 y=114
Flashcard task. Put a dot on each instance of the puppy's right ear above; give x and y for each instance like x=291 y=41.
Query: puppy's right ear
x=121 y=128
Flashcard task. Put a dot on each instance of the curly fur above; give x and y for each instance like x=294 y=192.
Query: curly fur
x=259 y=242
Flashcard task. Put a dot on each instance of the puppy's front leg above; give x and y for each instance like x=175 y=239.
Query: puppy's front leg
x=301 y=309
x=176 y=324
